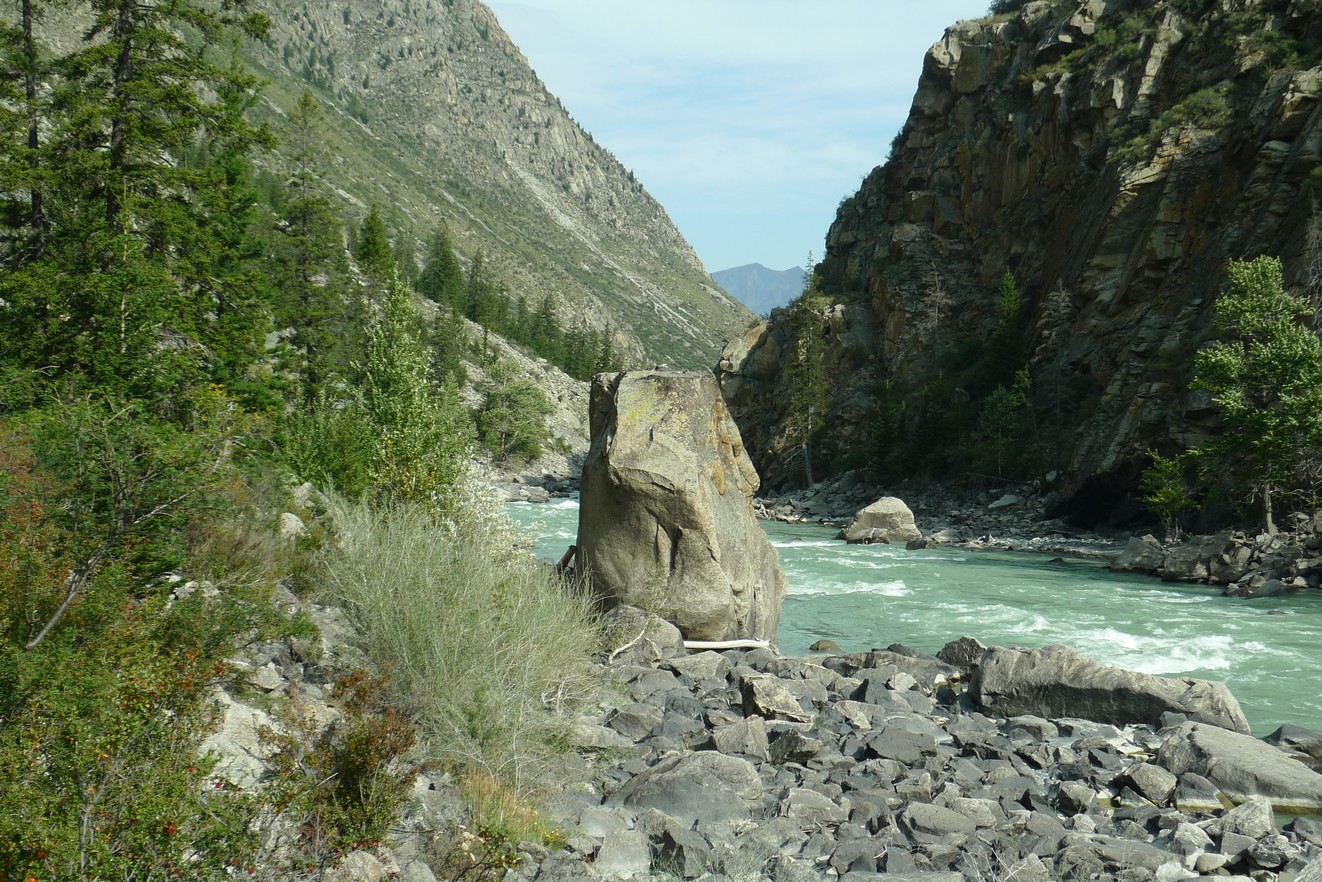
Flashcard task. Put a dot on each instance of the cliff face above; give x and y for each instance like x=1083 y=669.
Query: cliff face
x=435 y=115
x=1110 y=155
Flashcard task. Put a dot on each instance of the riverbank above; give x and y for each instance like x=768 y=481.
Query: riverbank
x=747 y=765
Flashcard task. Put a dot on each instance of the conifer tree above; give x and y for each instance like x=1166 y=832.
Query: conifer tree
x=442 y=278
x=311 y=244
x=805 y=373
x=373 y=252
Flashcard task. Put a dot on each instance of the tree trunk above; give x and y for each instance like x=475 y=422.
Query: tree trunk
x=1268 y=521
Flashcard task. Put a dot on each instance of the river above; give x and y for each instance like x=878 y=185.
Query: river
x=865 y=596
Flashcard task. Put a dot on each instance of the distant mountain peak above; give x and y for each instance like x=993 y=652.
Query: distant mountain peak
x=760 y=288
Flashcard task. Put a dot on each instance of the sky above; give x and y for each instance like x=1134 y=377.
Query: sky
x=748 y=120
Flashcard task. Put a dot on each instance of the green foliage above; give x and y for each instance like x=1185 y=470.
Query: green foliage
x=1265 y=377
x=1204 y=109
x=1162 y=488
x=1005 y=430
x=805 y=374
x=329 y=443
x=307 y=252
x=373 y=252
x=340 y=787
x=511 y=421
x=442 y=278
x=495 y=681
x=103 y=667
x=420 y=432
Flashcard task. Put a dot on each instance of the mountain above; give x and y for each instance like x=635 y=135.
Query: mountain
x=1104 y=158
x=759 y=288
x=437 y=117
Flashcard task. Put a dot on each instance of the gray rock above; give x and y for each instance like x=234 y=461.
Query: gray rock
x=1140 y=555
x=937 y=821
x=701 y=666
x=811 y=810
x=772 y=698
x=703 y=786
x=1057 y=681
x=237 y=743
x=292 y=526
x=886 y=520
x=686 y=851
x=636 y=721
x=358 y=866
x=1253 y=818
x=1303 y=744
x=1153 y=783
x=625 y=854
x=928 y=671
x=666 y=520
x=747 y=737
x=964 y=653
x=1242 y=767
x=1312 y=872
x=628 y=624
x=1272 y=852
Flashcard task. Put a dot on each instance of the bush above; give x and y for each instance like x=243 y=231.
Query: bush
x=485 y=647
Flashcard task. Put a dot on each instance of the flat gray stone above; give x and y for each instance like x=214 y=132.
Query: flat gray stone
x=624 y=854
x=937 y=821
x=1242 y=767
x=703 y=786
x=1056 y=682
x=811 y=810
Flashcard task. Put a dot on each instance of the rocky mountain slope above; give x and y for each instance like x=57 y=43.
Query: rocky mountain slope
x=436 y=116
x=1110 y=155
x=760 y=288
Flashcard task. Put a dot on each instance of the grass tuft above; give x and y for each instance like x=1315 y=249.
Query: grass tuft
x=487 y=649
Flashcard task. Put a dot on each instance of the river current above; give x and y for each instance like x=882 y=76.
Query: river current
x=863 y=596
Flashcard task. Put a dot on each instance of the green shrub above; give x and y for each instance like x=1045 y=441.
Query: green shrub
x=484 y=646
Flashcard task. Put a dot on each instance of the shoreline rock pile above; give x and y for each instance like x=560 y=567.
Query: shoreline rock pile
x=1249 y=566
x=744 y=764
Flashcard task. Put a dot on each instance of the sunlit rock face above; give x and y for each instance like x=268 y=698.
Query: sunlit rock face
x=666 y=521
x=1112 y=156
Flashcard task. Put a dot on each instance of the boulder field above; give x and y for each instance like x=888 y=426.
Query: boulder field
x=744 y=764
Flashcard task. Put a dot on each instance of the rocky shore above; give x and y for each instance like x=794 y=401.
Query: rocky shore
x=745 y=765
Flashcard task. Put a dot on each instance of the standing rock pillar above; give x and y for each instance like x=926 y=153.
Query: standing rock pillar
x=666 y=520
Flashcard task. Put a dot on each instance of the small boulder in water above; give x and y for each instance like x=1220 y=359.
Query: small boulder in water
x=825 y=646
x=886 y=520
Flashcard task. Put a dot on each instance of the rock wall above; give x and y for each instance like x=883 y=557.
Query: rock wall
x=1115 y=154
x=666 y=520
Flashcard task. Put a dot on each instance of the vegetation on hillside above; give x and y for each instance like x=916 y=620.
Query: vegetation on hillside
x=149 y=428
x=1264 y=374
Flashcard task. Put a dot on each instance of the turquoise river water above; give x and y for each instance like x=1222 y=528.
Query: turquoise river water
x=865 y=596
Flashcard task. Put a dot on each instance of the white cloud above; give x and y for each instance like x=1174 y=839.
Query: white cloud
x=761 y=112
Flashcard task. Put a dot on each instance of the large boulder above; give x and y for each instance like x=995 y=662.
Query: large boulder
x=886 y=520
x=1242 y=767
x=1058 y=682
x=666 y=519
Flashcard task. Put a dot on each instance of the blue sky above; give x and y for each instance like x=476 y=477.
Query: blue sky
x=749 y=120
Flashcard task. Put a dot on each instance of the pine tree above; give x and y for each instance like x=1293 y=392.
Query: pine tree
x=442 y=278
x=373 y=252
x=805 y=374
x=311 y=244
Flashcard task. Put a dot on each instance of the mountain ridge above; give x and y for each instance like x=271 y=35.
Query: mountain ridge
x=759 y=287
x=442 y=120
